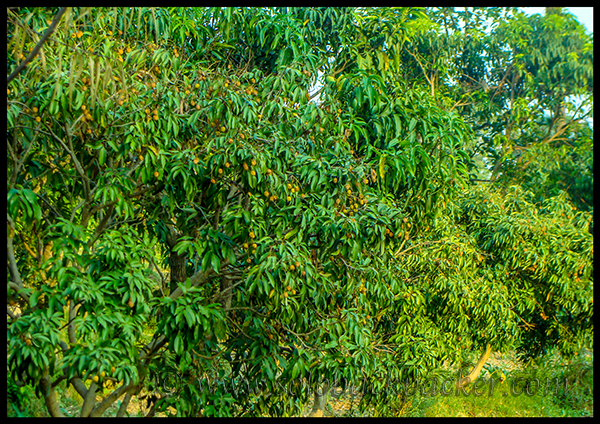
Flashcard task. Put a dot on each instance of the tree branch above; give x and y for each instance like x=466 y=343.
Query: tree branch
x=18 y=163
x=110 y=399
x=477 y=369
x=114 y=202
x=101 y=226
x=71 y=333
x=125 y=403
x=78 y=167
x=38 y=46
x=499 y=86
x=16 y=282
x=10 y=253
x=10 y=314
x=429 y=80
x=399 y=252
x=89 y=401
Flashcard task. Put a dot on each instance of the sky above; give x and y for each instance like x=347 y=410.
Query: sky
x=585 y=15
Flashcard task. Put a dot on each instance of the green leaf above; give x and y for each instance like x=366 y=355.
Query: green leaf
x=290 y=233
x=189 y=316
x=215 y=263
x=177 y=344
x=331 y=344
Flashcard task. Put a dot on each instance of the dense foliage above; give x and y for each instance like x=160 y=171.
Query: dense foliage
x=224 y=209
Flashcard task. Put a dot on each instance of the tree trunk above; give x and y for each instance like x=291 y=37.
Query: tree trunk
x=123 y=407
x=178 y=269
x=463 y=382
x=320 y=402
x=50 y=396
x=177 y=263
x=89 y=401
x=226 y=292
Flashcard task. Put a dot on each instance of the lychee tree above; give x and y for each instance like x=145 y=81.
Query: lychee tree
x=188 y=224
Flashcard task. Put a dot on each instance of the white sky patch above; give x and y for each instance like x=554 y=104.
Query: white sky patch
x=585 y=15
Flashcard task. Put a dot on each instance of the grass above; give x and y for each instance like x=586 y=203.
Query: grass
x=503 y=401
x=550 y=389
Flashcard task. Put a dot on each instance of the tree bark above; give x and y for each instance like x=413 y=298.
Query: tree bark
x=320 y=402
x=89 y=401
x=178 y=270
x=38 y=46
x=50 y=396
x=109 y=400
x=123 y=407
x=226 y=292
x=463 y=382
x=177 y=262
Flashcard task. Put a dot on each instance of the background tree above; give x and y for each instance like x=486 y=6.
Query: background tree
x=525 y=83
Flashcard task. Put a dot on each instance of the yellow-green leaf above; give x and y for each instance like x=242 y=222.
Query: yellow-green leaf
x=382 y=166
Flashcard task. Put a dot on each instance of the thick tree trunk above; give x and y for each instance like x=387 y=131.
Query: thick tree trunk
x=178 y=270
x=50 y=396
x=320 y=402
x=463 y=382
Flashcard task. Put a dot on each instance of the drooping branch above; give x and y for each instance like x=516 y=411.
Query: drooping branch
x=38 y=46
